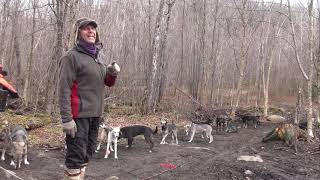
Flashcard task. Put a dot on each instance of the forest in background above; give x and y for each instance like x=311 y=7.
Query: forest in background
x=216 y=52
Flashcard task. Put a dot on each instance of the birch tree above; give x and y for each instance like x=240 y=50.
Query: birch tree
x=307 y=78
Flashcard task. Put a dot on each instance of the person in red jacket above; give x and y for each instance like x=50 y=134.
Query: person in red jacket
x=82 y=82
x=5 y=85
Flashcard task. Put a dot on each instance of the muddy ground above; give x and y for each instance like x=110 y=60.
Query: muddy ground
x=217 y=160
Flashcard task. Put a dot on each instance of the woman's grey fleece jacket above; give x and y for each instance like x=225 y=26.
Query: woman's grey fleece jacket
x=82 y=83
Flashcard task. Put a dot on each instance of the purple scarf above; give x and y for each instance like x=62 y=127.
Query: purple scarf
x=90 y=48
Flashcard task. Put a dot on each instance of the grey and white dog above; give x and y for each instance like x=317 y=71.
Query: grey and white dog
x=201 y=128
x=104 y=130
x=16 y=137
x=168 y=129
x=187 y=129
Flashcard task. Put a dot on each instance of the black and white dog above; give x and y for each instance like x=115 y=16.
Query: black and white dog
x=168 y=129
x=130 y=132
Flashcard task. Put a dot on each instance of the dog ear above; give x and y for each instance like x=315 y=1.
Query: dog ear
x=103 y=125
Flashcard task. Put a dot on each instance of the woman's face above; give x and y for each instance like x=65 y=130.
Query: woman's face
x=88 y=34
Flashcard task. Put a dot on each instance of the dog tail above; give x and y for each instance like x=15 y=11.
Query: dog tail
x=155 y=131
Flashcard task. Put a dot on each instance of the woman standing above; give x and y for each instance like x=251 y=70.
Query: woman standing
x=81 y=92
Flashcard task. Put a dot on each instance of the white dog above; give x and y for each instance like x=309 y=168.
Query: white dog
x=113 y=136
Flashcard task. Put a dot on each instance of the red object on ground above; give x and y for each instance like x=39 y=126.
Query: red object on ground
x=169 y=166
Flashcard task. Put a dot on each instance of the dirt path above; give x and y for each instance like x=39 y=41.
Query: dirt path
x=196 y=160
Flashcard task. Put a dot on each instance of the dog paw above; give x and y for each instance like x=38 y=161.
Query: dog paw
x=12 y=164
x=26 y=162
x=150 y=151
x=96 y=151
x=116 y=157
x=106 y=157
x=2 y=159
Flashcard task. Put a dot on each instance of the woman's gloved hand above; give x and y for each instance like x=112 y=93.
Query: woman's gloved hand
x=70 y=128
x=113 y=69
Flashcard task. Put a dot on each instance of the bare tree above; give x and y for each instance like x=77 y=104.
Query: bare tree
x=60 y=10
x=164 y=59
x=26 y=89
x=159 y=40
x=311 y=57
x=311 y=63
x=4 y=24
x=243 y=52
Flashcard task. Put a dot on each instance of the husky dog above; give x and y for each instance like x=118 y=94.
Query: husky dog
x=104 y=132
x=221 y=122
x=246 y=118
x=202 y=128
x=113 y=136
x=168 y=129
x=209 y=121
x=130 y=132
x=16 y=136
x=187 y=128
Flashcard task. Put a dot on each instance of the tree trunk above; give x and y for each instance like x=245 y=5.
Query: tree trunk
x=242 y=66
x=163 y=59
x=298 y=107
x=154 y=66
x=26 y=89
x=214 y=51
x=180 y=71
x=4 y=24
x=311 y=56
x=57 y=53
x=243 y=57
